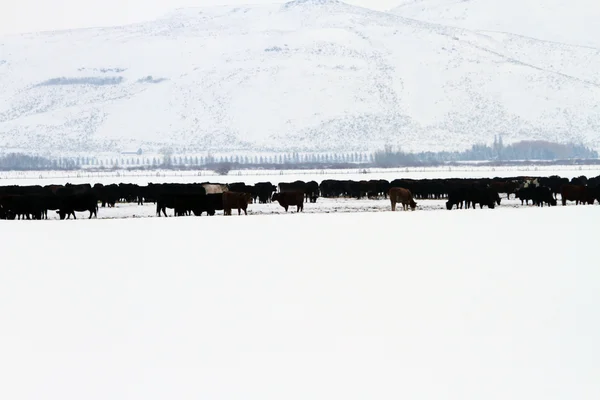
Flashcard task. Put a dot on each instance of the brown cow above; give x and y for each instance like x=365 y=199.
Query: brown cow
x=577 y=193
x=402 y=195
x=286 y=199
x=236 y=200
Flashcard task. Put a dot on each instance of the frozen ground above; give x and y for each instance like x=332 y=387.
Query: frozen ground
x=499 y=304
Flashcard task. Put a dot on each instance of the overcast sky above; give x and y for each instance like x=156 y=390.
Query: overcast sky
x=19 y=16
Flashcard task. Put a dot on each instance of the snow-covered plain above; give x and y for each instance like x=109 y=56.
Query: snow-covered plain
x=307 y=75
x=492 y=304
x=283 y=175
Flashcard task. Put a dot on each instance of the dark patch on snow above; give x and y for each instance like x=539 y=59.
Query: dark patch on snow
x=295 y=3
x=116 y=70
x=90 y=80
x=151 y=79
x=104 y=70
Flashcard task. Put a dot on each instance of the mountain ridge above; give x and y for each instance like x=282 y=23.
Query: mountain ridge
x=540 y=19
x=316 y=75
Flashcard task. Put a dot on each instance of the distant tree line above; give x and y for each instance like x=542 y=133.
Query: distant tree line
x=524 y=150
x=23 y=162
x=19 y=161
x=497 y=153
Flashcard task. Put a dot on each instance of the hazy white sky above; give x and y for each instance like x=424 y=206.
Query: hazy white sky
x=18 y=16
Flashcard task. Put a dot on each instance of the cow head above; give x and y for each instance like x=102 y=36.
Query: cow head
x=275 y=197
x=413 y=205
x=449 y=205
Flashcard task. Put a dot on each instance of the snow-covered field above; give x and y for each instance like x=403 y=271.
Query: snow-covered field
x=493 y=304
x=276 y=176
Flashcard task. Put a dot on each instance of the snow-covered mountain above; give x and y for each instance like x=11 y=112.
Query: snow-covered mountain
x=572 y=22
x=304 y=75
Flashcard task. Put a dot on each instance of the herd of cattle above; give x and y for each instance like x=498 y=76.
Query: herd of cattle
x=34 y=202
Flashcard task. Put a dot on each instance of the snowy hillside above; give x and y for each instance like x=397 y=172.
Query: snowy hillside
x=565 y=21
x=305 y=75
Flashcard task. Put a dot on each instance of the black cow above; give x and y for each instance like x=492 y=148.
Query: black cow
x=543 y=195
x=312 y=191
x=264 y=191
x=82 y=201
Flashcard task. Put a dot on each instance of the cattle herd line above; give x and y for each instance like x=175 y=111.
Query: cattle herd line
x=34 y=202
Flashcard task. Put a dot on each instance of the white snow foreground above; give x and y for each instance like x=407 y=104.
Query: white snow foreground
x=498 y=304
x=302 y=76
